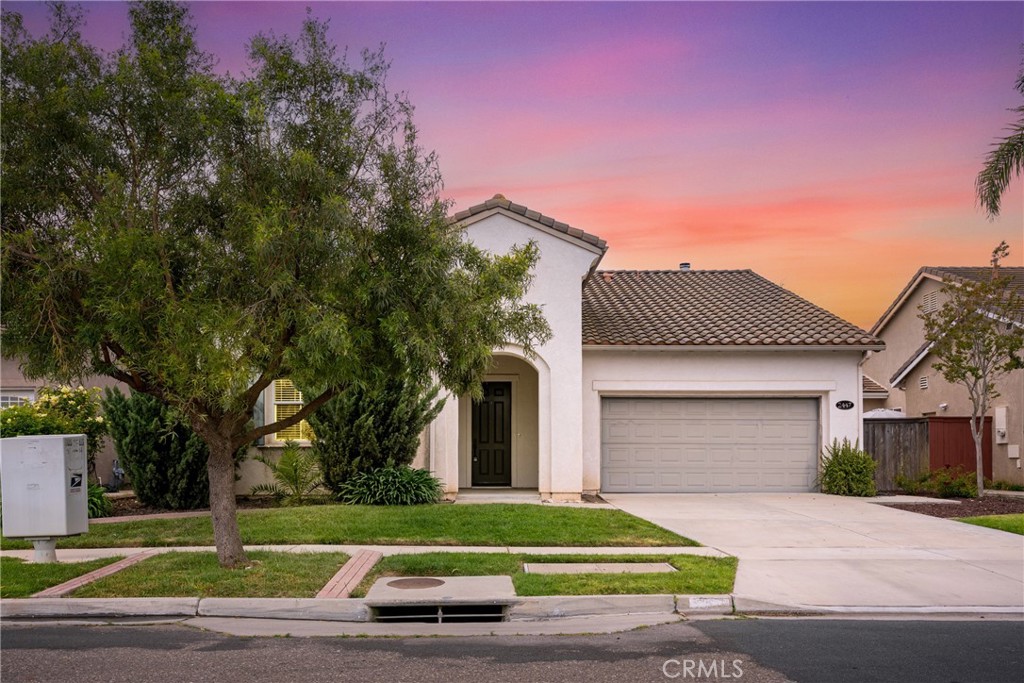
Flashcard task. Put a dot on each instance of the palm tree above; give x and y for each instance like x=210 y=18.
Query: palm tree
x=1004 y=161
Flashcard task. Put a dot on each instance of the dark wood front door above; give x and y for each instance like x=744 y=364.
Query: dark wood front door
x=492 y=436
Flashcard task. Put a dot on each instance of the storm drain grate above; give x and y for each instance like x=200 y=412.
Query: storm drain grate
x=439 y=614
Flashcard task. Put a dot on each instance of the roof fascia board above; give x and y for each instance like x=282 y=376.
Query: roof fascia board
x=897 y=304
x=913 y=364
x=476 y=218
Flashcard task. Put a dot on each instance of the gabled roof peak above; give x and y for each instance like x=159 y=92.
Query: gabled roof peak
x=499 y=201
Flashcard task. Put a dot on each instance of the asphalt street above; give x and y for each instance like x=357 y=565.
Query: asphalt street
x=747 y=650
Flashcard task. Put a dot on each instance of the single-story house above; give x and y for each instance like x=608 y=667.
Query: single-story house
x=905 y=368
x=653 y=381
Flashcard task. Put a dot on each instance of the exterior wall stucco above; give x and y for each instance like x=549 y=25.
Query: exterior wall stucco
x=903 y=335
x=556 y=288
x=830 y=376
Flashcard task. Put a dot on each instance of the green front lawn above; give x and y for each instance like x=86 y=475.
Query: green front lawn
x=197 y=575
x=1012 y=523
x=696 y=575
x=19 y=579
x=498 y=525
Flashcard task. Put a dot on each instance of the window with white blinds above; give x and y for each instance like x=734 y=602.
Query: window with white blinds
x=287 y=402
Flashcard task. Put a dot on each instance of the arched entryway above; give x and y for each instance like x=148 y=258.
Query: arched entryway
x=499 y=437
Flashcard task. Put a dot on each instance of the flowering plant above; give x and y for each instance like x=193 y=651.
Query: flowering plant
x=59 y=410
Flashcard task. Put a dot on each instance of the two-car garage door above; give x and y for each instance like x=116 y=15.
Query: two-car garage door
x=662 y=445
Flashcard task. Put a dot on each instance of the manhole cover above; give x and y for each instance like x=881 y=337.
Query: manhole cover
x=415 y=583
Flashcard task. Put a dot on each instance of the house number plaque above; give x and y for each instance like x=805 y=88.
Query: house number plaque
x=844 y=405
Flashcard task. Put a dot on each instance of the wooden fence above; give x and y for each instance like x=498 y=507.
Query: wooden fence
x=899 y=446
x=912 y=446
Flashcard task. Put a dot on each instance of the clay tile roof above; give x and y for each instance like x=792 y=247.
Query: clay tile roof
x=499 y=201
x=706 y=308
x=870 y=386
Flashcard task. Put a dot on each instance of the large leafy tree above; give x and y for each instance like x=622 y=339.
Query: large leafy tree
x=197 y=237
x=976 y=337
x=1004 y=162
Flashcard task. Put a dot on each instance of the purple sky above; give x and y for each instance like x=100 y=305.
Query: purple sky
x=831 y=147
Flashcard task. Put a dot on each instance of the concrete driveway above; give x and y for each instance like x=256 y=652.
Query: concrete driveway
x=807 y=550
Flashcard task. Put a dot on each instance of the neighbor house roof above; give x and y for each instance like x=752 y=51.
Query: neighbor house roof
x=872 y=389
x=1014 y=275
x=499 y=201
x=733 y=308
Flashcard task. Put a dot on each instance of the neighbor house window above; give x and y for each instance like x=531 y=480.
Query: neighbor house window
x=287 y=402
x=15 y=397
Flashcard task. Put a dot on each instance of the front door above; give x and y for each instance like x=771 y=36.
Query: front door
x=492 y=436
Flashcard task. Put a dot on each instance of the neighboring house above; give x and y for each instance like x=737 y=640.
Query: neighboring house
x=15 y=389
x=906 y=369
x=653 y=381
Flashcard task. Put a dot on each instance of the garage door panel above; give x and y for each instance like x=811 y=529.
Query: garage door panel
x=723 y=445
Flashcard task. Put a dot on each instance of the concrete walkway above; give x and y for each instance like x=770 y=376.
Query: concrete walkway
x=808 y=550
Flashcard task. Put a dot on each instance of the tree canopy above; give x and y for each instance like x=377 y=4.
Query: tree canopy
x=198 y=236
x=1004 y=162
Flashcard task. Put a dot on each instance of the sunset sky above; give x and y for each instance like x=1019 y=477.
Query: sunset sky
x=831 y=147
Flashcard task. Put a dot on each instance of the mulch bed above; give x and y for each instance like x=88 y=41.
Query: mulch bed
x=968 y=507
x=125 y=507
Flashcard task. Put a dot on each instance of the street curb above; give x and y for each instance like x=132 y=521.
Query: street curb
x=558 y=606
x=353 y=609
x=35 y=608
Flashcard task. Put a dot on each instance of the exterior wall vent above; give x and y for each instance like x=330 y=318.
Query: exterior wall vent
x=922 y=382
x=931 y=302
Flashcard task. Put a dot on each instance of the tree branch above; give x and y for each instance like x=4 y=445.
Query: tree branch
x=303 y=413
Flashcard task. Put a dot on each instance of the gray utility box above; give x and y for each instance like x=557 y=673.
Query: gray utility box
x=43 y=480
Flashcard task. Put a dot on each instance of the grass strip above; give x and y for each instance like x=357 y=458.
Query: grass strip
x=493 y=524
x=188 y=575
x=20 y=579
x=696 y=575
x=1013 y=523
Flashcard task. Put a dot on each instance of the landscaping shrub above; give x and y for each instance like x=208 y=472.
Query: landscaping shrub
x=165 y=460
x=60 y=410
x=391 y=486
x=1000 y=485
x=846 y=470
x=296 y=476
x=365 y=429
x=945 y=483
x=80 y=408
x=99 y=505
x=26 y=420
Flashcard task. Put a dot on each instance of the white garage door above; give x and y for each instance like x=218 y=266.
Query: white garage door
x=663 y=445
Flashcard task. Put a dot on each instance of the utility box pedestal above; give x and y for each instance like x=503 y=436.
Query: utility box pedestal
x=44 y=487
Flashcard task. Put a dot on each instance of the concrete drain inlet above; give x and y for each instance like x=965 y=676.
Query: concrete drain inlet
x=452 y=599
x=411 y=584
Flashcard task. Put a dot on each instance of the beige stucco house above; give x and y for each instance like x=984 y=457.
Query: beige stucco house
x=653 y=381
x=905 y=368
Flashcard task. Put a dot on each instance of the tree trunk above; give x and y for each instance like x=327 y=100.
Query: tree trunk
x=978 y=435
x=221 y=468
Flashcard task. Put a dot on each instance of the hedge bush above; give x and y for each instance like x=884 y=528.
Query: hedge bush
x=846 y=470
x=365 y=429
x=164 y=459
